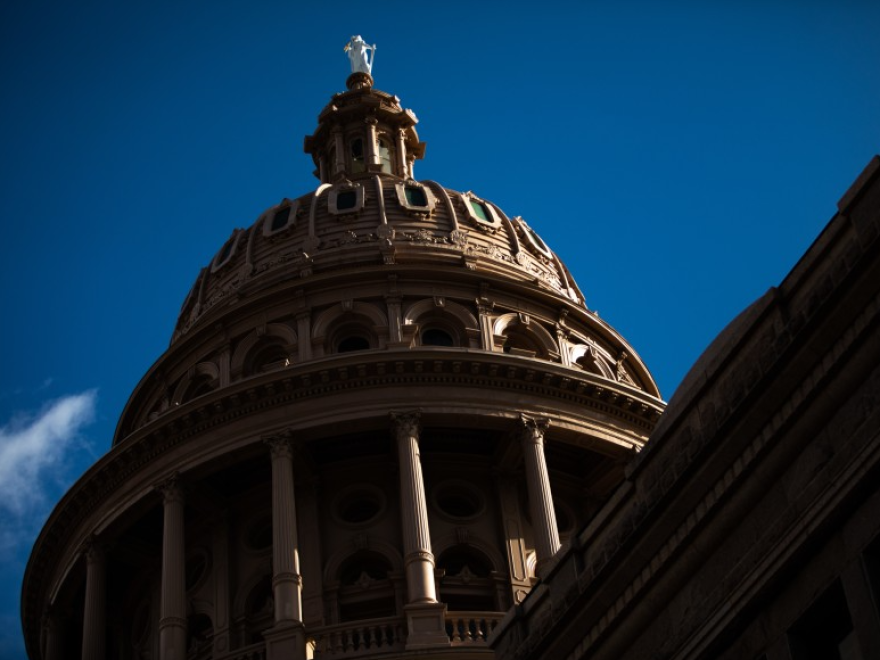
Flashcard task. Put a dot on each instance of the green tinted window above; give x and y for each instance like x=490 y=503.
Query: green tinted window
x=346 y=200
x=480 y=210
x=279 y=220
x=415 y=196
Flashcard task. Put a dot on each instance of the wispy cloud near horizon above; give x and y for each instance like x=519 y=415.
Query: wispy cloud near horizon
x=36 y=452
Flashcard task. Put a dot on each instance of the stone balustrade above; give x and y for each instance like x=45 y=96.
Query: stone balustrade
x=466 y=628
x=359 y=638
x=251 y=652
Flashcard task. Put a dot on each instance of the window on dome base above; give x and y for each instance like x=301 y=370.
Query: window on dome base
x=480 y=212
x=283 y=217
x=415 y=197
x=533 y=241
x=345 y=199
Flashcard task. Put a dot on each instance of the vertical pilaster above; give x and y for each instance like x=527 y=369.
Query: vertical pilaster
x=313 y=589
x=172 y=613
x=517 y=560
x=94 y=641
x=538 y=484
x=425 y=616
x=286 y=579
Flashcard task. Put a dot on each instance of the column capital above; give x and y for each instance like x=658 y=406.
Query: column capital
x=171 y=488
x=532 y=429
x=280 y=444
x=92 y=549
x=406 y=424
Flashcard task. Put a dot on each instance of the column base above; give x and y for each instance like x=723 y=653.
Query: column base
x=286 y=641
x=426 y=626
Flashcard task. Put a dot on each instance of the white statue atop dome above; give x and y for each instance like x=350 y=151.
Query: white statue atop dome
x=357 y=55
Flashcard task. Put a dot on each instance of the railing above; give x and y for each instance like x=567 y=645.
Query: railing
x=466 y=628
x=358 y=638
x=252 y=652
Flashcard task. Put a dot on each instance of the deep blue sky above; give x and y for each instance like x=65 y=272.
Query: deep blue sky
x=679 y=157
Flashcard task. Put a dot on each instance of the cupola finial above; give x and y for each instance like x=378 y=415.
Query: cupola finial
x=361 y=61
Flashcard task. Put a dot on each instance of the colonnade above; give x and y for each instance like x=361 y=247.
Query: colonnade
x=425 y=615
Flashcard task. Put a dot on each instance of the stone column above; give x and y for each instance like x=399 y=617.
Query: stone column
x=94 y=641
x=172 y=613
x=286 y=579
x=538 y=484
x=339 y=144
x=400 y=136
x=286 y=639
x=372 y=145
x=53 y=624
x=425 y=616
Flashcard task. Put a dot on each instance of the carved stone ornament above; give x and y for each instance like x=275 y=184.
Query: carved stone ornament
x=171 y=487
x=280 y=445
x=532 y=429
x=406 y=424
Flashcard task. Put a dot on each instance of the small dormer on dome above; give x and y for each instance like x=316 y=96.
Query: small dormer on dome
x=363 y=132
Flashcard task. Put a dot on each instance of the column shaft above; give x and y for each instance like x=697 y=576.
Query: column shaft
x=172 y=613
x=416 y=535
x=538 y=483
x=94 y=640
x=286 y=580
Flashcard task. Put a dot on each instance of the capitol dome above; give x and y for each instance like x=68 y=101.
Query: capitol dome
x=384 y=408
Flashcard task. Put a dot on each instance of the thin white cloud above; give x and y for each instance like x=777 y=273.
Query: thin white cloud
x=35 y=452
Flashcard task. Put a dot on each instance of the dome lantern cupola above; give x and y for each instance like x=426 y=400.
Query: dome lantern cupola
x=364 y=131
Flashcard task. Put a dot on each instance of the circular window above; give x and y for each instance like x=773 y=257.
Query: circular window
x=359 y=505
x=459 y=500
x=259 y=534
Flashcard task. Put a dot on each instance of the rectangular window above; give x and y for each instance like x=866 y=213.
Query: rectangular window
x=415 y=196
x=480 y=210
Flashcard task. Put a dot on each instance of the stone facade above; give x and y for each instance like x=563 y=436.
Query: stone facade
x=748 y=527
x=384 y=408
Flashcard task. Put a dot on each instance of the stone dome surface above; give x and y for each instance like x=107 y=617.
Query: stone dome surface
x=375 y=217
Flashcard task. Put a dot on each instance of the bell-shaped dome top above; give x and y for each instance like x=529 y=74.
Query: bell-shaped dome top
x=369 y=211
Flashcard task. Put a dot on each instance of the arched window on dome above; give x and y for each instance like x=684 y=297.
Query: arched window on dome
x=467 y=584
x=365 y=588
x=520 y=335
x=434 y=336
x=356 y=153
x=198 y=386
x=269 y=355
x=520 y=343
x=386 y=155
